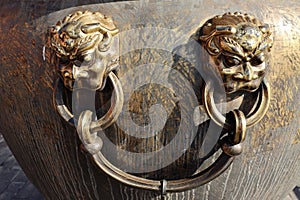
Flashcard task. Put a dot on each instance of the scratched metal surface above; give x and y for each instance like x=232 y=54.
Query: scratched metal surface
x=268 y=168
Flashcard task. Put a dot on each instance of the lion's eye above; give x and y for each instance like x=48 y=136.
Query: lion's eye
x=77 y=63
x=231 y=61
x=257 y=60
x=64 y=61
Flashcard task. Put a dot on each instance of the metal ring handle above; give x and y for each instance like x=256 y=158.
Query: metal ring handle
x=213 y=171
x=251 y=118
x=105 y=121
x=205 y=176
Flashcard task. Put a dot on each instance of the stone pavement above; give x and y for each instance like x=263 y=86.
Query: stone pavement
x=14 y=184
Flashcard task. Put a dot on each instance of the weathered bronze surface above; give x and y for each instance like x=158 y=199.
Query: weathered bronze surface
x=48 y=148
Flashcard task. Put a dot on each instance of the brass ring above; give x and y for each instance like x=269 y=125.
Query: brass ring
x=238 y=126
x=105 y=121
x=93 y=144
x=231 y=149
x=251 y=118
x=205 y=176
x=232 y=143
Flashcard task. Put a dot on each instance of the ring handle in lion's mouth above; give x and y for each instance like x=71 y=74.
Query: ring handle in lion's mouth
x=106 y=120
x=236 y=46
x=86 y=53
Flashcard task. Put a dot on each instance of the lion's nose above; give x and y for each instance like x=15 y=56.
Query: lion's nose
x=247 y=71
x=77 y=73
